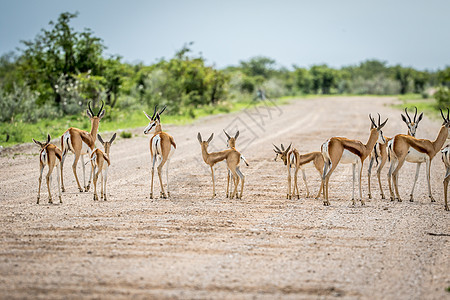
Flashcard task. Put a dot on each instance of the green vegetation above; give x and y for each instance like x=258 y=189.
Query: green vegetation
x=46 y=85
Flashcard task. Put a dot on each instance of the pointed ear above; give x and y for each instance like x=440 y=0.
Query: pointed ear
x=420 y=118
x=404 y=119
x=288 y=147
x=210 y=138
x=89 y=113
x=148 y=117
x=102 y=114
x=37 y=143
x=113 y=138
x=236 y=136
x=199 y=138
x=100 y=139
x=48 y=138
x=228 y=136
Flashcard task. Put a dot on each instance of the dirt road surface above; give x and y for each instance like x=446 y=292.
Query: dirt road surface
x=263 y=246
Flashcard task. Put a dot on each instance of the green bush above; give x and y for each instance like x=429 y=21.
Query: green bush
x=442 y=96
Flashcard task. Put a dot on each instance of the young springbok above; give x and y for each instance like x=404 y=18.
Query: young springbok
x=293 y=159
x=100 y=163
x=342 y=150
x=231 y=143
x=446 y=160
x=80 y=143
x=162 y=147
x=402 y=144
x=50 y=156
x=380 y=152
x=233 y=158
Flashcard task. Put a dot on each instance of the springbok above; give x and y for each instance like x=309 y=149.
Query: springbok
x=101 y=160
x=162 y=147
x=446 y=160
x=293 y=159
x=342 y=150
x=233 y=158
x=80 y=143
x=50 y=156
x=402 y=144
x=380 y=151
x=231 y=143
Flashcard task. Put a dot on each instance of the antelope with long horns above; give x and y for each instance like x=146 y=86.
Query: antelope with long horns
x=446 y=160
x=162 y=147
x=100 y=163
x=401 y=144
x=233 y=158
x=293 y=159
x=50 y=156
x=342 y=150
x=80 y=143
x=231 y=143
x=380 y=151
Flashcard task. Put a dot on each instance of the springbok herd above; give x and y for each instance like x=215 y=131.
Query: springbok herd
x=379 y=148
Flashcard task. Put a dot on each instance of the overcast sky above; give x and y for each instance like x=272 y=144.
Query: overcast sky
x=406 y=32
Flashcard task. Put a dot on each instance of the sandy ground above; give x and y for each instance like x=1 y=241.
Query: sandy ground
x=263 y=246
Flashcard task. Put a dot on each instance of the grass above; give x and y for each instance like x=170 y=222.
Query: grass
x=21 y=132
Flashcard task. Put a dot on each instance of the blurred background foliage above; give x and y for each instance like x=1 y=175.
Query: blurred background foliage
x=54 y=76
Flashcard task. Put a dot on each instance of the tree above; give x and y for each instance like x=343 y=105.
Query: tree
x=258 y=66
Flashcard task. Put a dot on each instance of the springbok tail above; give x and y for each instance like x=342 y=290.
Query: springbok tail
x=243 y=158
x=326 y=159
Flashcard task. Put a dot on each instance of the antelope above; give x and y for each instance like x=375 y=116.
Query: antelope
x=339 y=149
x=446 y=160
x=162 y=147
x=80 y=143
x=380 y=151
x=50 y=156
x=231 y=143
x=101 y=160
x=233 y=158
x=293 y=159
x=401 y=145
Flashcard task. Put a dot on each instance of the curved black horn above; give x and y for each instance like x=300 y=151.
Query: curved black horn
x=90 y=109
x=415 y=114
x=48 y=139
x=371 y=120
x=154 y=112
x=379 y=119
x=406 y=111
x=282 y=147
x=448 y=112
x=101 y=108
x=228 y=137
x=442 y=114
x=278 y=149
x=162 y=110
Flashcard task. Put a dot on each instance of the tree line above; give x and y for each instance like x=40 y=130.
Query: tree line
x=61 y=69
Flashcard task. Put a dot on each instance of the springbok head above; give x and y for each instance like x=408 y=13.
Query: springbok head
x=43 y=144
x=231 y=141
x=154 y=119
x=204 y=143
x=97 y=116
x=107 y=144
x=378 y=127
x=283 y=153
x=412 y=124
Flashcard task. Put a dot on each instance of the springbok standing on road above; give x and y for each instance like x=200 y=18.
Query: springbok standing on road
x=380 y=151
x=233 y=158
x=50 y=156
x=80 y=143
x=342 y=150
x=162 y=147
x=293 y=159
x=101 y=160
x=402 y=144
x=231 y=143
